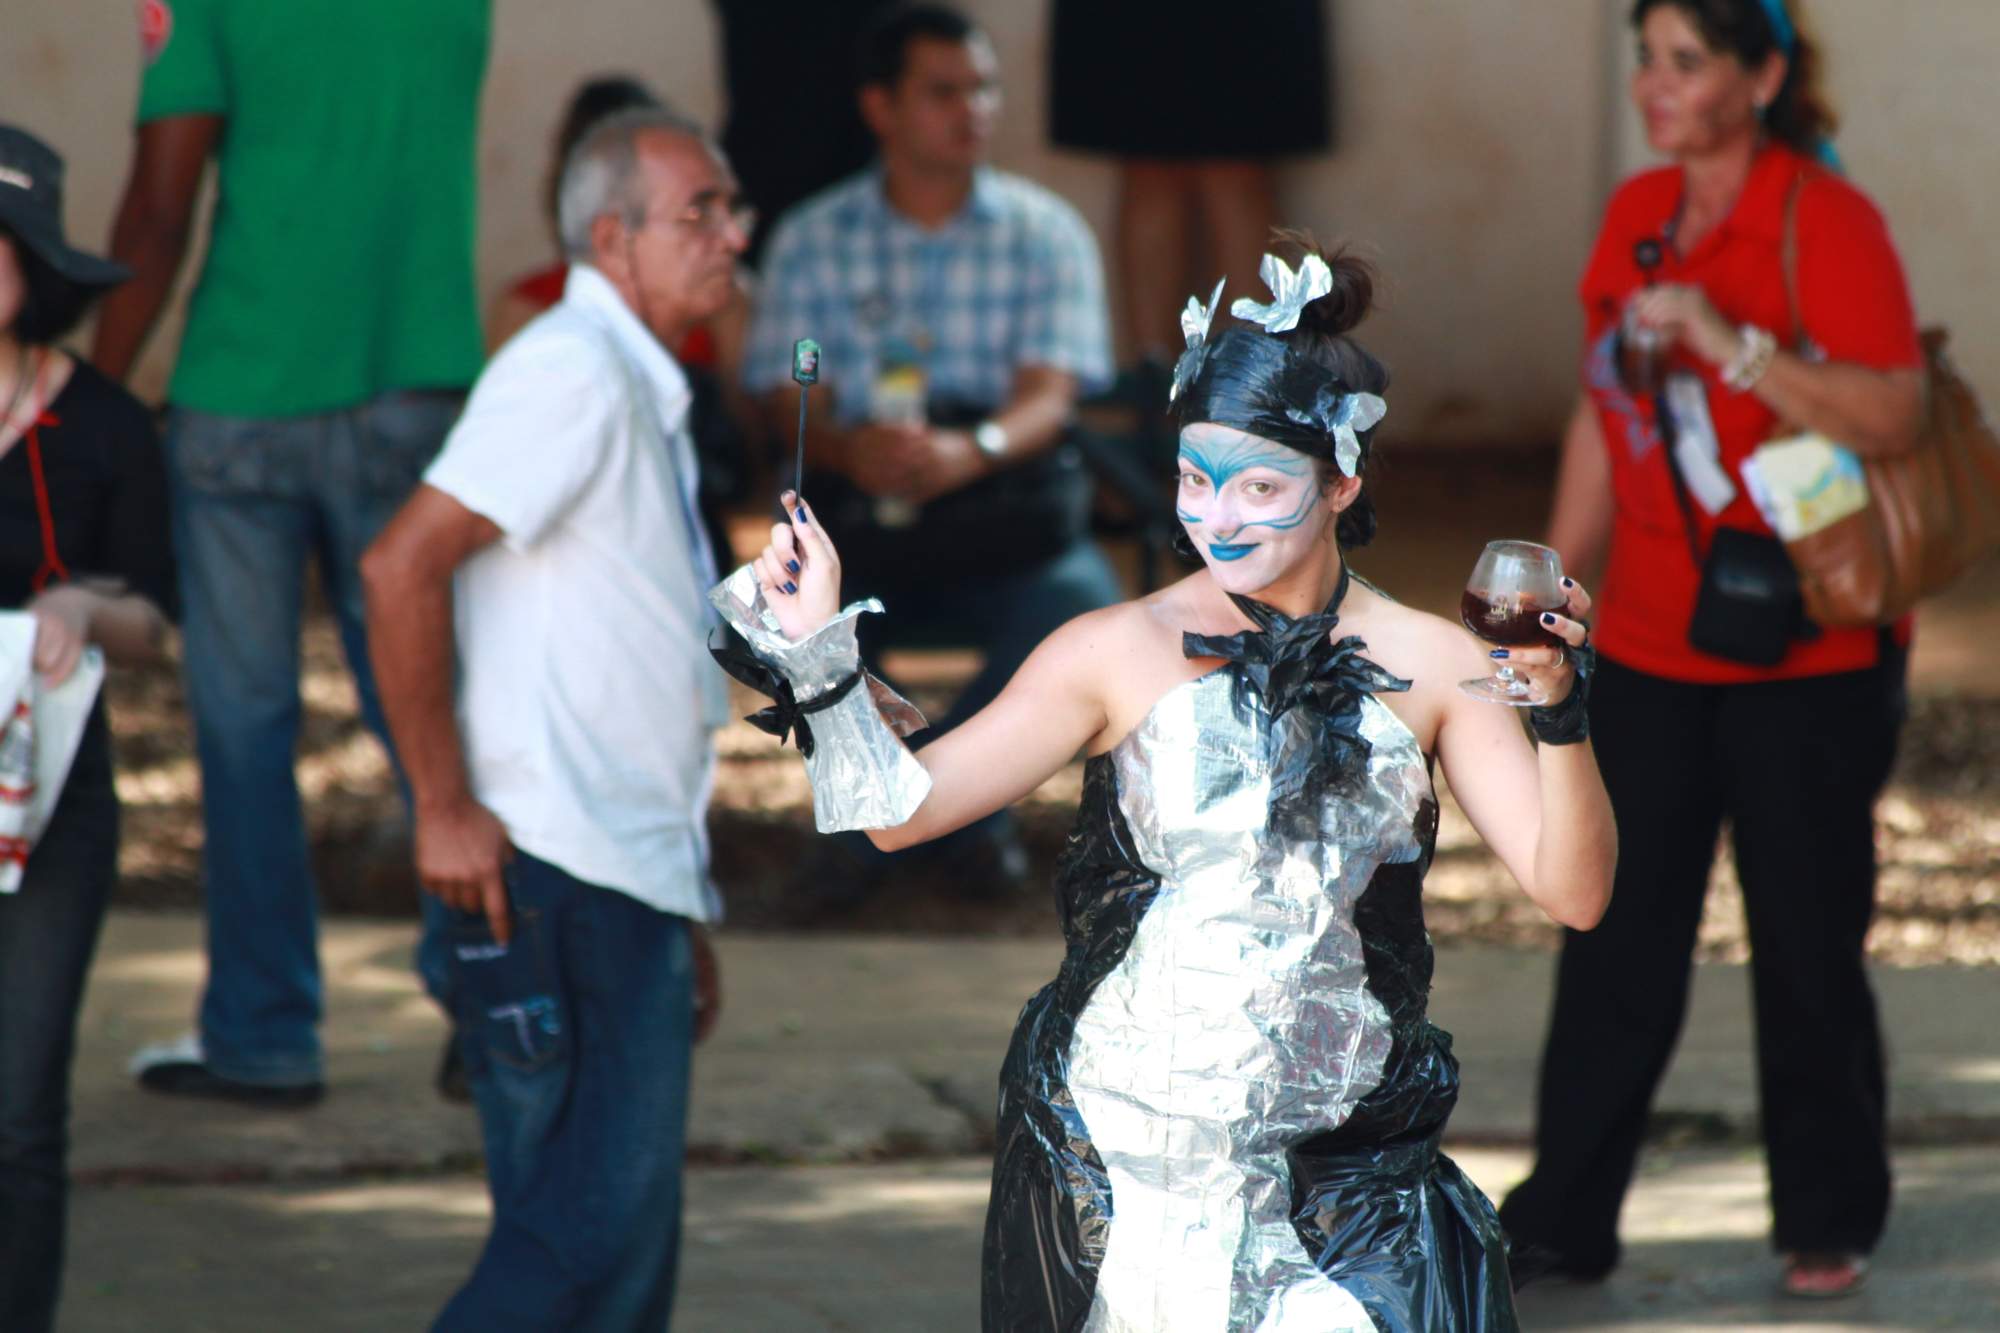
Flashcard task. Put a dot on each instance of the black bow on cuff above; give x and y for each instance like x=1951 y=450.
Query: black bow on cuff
x=786 y=714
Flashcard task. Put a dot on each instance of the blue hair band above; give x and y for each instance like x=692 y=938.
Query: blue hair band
x=1786 y=34
x=1781 y=27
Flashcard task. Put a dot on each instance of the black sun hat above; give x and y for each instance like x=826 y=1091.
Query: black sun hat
x=31 y=175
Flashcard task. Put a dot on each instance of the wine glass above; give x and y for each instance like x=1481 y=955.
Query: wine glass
x=1511 y=586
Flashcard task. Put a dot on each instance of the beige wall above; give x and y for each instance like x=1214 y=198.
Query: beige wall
x=1477 y=140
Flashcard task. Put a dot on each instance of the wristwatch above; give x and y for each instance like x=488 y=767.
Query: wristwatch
x=991 y=437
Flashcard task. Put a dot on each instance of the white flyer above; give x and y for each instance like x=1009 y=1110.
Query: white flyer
x=40 y=730
x=1696 y=448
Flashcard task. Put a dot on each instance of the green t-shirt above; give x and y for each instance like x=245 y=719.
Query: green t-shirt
x=340 y=260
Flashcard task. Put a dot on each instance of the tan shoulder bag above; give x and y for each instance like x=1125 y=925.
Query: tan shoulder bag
x=1933 y=511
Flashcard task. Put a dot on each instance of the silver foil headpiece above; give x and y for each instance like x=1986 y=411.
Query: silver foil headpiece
x=1291 y=292
x=1195 y=321
x=1356 y=412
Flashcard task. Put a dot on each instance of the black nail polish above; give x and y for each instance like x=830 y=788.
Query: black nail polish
x=792 y=565
x=791 y=587
x=1548 y=617
x=1498 y=652
x=1568 y=582
x=802 y=513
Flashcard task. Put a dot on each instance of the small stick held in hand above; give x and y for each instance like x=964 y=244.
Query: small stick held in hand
x=805 y=370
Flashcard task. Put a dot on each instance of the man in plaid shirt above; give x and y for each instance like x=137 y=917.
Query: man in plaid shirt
x=960 y=310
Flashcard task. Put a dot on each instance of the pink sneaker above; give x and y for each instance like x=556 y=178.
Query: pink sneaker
x=1819 y=1276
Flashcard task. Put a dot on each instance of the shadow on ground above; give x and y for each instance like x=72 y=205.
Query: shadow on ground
x=891 y=1248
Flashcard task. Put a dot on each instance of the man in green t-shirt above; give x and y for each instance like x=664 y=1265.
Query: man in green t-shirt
x=329 y=340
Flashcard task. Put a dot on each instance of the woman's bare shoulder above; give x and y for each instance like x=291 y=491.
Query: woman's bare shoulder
x=1419 y=646
x=1107 y=641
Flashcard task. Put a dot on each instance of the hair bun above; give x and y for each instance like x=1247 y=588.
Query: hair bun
x=1353 y=294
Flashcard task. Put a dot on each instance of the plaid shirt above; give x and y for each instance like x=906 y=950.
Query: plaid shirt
x=1013 y=280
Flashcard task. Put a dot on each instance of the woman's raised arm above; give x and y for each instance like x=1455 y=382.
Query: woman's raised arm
x=1043 y=718
x=1542 y=809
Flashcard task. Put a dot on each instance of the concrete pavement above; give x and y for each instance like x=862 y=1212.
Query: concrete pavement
x=842 y=1048
x=363 y=1212
x=895 y=1249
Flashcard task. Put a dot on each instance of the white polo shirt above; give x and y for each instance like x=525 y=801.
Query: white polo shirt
x=587 y=699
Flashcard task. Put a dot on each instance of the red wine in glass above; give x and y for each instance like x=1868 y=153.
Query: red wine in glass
x=1509 y=623
x=1512 y=585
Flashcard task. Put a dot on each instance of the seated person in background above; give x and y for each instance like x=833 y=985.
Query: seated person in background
x=959 y=310
x=710 y=353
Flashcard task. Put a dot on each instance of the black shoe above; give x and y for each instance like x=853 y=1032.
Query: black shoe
x=177 y=1070
x=452 y=1083
x=1534 y=1262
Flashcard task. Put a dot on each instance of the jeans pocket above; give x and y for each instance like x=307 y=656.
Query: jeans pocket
x=510 y=1013
x=223 y=455
x=403 y=433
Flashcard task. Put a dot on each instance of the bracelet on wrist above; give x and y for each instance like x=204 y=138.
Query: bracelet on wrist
x=1752 y=359
x=1568 y=722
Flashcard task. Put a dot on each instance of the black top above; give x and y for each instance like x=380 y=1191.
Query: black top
x=1243 y=81
x=107 y=485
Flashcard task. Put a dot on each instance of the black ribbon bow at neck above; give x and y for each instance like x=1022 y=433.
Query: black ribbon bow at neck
x=1292 y=663
x=786 y=714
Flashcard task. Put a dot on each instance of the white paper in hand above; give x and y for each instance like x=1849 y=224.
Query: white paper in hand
x=1695 y=446
x=43 y=725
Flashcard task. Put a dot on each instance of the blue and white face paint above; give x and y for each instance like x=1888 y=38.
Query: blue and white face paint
x=1254 y=509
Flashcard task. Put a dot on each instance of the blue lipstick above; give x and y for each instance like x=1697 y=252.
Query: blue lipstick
x=1227 y=551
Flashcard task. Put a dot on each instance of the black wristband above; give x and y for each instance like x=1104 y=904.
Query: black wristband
x=1568 y=722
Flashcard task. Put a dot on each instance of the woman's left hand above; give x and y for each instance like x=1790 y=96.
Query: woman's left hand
x=62 y=630
x=1685 y=315
x=1550 y=669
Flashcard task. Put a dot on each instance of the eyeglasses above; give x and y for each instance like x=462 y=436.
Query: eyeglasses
x=711 y=217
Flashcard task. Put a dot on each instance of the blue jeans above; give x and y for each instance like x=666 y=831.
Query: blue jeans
x=577 y=1038
x=48 y=932
x=253 y=500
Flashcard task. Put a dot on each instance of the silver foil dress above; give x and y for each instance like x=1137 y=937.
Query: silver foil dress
x=1224 y=1112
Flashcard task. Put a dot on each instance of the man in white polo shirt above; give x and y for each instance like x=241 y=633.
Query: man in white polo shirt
x=560 y=790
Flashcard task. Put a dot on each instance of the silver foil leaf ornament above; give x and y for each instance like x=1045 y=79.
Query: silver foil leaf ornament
x=1194 y=328
x=1197 y=317
x=1357 y=412
x=1291 y=292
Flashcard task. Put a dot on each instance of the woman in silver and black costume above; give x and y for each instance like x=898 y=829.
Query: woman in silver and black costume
x=1224 y=1112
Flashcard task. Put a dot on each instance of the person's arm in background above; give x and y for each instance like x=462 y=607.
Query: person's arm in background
x=1867 y=392
x=1063 y=346
x=461 y=847
x=125 y=597
x=71 y=616
x=1580 y=518
x=1873 y=412
x=183 y=103
x=155 y=218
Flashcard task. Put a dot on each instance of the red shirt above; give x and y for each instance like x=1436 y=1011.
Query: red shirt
x=544 y=287
x=1855 y=307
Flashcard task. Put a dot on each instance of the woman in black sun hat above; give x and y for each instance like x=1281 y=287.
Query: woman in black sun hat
x=83 y=549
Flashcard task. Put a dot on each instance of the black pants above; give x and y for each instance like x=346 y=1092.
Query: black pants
x=1794 y=767
x=48 y=932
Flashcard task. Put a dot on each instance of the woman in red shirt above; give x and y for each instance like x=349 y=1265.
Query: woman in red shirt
x=1791 y=754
